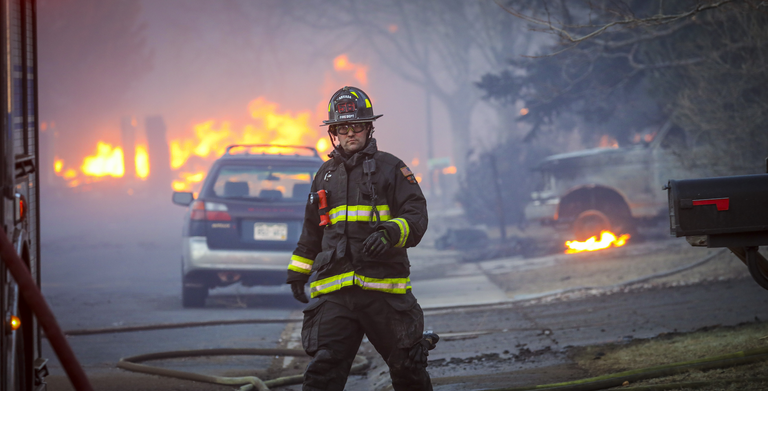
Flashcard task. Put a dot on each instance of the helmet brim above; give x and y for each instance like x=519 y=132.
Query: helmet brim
x=364 y=120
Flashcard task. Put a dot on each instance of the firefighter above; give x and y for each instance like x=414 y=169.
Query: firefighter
x=355 y=240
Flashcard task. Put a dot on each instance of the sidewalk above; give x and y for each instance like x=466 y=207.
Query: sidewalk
x=517 y=278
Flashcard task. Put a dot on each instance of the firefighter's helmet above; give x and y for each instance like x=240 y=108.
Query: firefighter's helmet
x=350 y=105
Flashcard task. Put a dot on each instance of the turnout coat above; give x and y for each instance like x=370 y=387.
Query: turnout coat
x=368 y=183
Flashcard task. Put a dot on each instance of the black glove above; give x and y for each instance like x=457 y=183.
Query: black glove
x=297 y=288
x=420 y=351
x=376 y=244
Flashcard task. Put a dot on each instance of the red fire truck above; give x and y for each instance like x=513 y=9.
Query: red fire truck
x=21 y=365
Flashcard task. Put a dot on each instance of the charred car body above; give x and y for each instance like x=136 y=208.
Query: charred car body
x=613 y=189
x=247 y=219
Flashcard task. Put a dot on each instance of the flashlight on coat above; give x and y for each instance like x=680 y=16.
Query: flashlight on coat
x=321 y=198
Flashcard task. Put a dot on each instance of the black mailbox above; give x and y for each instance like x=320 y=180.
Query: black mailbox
x=727 y=212
x=723 y=211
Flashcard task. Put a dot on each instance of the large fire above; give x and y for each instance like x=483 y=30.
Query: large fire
x=272 y=126
x=191 y=156
x=607 y=239
x=106 y=161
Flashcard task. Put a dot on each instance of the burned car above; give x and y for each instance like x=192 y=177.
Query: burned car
x=614 y=188
x=247 y=220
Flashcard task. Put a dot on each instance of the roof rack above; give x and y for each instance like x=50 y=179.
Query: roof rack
x=291 y=147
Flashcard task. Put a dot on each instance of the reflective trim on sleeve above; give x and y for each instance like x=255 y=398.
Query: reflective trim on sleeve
x=300 y=264
x=404 y=231
x=334 y=283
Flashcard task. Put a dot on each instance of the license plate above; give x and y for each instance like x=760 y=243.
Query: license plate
x=270 y=231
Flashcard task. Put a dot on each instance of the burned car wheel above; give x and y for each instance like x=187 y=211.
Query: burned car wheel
x=590 y=223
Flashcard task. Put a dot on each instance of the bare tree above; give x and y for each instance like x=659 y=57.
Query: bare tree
x=701 y=63
x=441 y=46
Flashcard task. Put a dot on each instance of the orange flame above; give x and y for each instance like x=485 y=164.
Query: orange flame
x=107 y=161
x=188 y=180
x=608 y=141
x=342 y=63
x=449 y=170
x=142 y=161
x=212 y=138
x=323 y=146
x=191 y=156
x=607 y=239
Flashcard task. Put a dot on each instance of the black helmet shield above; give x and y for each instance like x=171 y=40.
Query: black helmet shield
x=350 y=105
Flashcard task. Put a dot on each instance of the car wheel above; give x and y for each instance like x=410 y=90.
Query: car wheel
x=590 y=223
x=193 y=296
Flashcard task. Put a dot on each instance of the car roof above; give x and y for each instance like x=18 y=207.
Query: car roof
x=270 y=153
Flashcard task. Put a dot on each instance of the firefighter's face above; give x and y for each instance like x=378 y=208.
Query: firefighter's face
x=352 y=141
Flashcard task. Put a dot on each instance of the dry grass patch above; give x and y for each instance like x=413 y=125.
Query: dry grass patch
x=674 y=348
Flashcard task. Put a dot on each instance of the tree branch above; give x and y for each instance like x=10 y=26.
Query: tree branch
x=653 y=20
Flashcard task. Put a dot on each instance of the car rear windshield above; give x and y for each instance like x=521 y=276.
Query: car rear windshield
x=264 y=183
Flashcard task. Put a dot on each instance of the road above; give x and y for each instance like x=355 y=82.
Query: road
x=110 y=275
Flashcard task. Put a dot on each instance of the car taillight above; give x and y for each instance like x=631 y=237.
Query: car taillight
x=202 y=210
x=198 y=211
x=216 y=212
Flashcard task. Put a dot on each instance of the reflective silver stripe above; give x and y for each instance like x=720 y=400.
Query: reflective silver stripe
x=404 y=231
x=300 y=267
x=333 y=283
x=360 y=213
x=338 y=214
x=383 y=284
x=300 y=264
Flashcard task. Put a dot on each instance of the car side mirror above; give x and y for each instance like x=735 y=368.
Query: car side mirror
x=183 y=198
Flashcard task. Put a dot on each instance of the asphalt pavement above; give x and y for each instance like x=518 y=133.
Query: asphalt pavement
x=125 y=272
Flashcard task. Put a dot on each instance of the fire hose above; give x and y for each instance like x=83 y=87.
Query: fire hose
x=45 y=318
x=246 y=383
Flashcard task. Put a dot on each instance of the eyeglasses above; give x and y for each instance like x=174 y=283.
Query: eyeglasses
x=344 y=129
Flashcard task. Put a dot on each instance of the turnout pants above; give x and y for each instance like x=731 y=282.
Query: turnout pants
x=334 y=327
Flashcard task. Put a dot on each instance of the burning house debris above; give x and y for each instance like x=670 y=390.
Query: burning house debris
x=181 y=163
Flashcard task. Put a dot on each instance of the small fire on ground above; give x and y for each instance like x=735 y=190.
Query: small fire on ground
x=607 y=240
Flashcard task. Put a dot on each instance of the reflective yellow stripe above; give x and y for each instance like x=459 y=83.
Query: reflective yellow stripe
x=338 y=214
x=334 y=283
x=367 y=103
x=358 y=213
x=393 y=285
x=300 y=264
x=404 y=231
